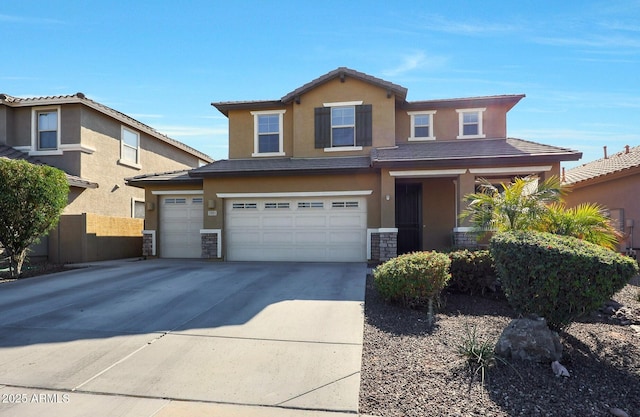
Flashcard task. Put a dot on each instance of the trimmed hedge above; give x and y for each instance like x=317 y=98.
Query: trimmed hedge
x=413 y=279
x=472 y=271
x=560 y=278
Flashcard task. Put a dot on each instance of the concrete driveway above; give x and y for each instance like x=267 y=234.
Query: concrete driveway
x=175 y=337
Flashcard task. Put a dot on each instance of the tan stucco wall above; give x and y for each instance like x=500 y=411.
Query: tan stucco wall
x=299 y=120
x=91 y=237
x=617 y=193
x=310 y=183
x=446 y=123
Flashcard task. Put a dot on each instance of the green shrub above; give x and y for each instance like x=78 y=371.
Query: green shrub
x=413 y=279
x=472 y=271
x=560 y=278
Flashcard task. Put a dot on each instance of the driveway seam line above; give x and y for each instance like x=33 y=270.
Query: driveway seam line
x=118 y=362
x=187 y=400
x=319 y=342
x=319 y=387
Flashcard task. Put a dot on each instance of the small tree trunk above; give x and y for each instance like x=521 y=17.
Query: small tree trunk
x=430 y=312
x=16 y=260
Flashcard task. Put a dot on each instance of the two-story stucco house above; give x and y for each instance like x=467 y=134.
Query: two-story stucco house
x=343 y=168
x=98 y=147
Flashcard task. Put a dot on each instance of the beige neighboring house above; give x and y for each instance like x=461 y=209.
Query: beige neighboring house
x=343 y=168
x=613 y=182
x=97 y=147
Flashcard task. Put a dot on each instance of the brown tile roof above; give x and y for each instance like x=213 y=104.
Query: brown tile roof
x=466 y=150
x=74 y=181
x=225 y=106
x=180 y=176
x=82 y=99
x=346 y=72
x=509 y=99
x=281 y=165
x=619 y=162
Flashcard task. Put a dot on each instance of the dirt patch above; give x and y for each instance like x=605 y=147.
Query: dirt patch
x=409 y=369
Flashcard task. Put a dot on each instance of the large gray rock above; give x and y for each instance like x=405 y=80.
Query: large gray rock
x=531 y=340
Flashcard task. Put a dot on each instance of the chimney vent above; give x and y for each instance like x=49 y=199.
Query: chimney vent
x=626 y=149
x=605 y=152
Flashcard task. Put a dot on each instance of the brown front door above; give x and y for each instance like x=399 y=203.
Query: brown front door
x=408 y=217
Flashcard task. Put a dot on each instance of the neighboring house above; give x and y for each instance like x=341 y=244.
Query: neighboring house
x=343 y=168
x=97 y=147
x=614 y=183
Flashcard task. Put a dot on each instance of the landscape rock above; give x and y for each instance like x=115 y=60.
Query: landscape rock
x=559 y=369
x=618 y=412
x=529 y=339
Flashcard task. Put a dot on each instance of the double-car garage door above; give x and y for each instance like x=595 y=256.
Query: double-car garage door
x=270 y=229
x=301 y=229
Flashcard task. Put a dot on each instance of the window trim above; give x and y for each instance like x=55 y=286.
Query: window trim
x=256 y=136
x=480 y=112
x=135 y=200
x=412 y=136
x=35 y=142
x=124 y=161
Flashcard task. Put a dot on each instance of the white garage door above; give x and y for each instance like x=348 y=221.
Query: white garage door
x=311 y=229
x=180 y=223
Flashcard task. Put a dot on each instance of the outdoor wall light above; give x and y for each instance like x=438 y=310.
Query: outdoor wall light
x=151 y=206
x=212 y=204
x=387 y=197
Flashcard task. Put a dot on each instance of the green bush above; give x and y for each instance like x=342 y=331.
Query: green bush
x=472 y=271
x=413 y=279
x=560 y=278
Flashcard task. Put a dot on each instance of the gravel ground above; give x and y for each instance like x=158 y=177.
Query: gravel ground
x=409 y=369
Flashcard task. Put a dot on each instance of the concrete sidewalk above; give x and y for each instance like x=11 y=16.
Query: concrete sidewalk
x=183 y=338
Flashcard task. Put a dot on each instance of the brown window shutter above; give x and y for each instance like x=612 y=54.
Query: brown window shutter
x=323 y=127
x=364 y=125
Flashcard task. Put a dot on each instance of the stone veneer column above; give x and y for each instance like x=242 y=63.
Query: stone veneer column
x=148 y=243
x=384 y=244
x=210 y=243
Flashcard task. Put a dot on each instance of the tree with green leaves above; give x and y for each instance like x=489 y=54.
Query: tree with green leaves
x=527 y=204
x=32 y=198
x=515 y=206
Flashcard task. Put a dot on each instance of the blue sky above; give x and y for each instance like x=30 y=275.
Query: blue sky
x=164 y=62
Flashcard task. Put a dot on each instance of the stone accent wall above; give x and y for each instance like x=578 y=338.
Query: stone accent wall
x=209 y=245
x=147 y=244
x=468 y=240
x=384 y=246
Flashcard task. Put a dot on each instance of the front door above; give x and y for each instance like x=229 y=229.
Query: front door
x=408 y=217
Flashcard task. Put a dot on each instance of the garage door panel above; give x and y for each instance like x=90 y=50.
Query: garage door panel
x=276 y=237
x=285 y=229
x=181 y=218
x=284 y=220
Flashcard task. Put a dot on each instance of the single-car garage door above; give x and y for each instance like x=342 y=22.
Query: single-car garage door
x=300 y=229
x=180 y=223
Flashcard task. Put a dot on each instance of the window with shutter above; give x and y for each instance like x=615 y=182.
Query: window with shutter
x=338 y=125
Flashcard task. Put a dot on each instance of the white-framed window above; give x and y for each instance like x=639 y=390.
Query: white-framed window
x=244 y=206
x=343 y=126
x=470 y=123
x=130 y=148
x=276 y=205
x=310 y=204
x=137 y=208
x=344 y=204
x=45 y=137
x=421 y=125
x=268 y=136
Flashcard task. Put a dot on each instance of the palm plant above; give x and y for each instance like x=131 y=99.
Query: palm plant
x=587 y=221
x=518 y=207
x=526 y=204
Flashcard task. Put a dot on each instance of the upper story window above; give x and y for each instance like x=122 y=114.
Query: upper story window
x=470 y=123
x=130 y=148
x=46 y=130
x=344 y=126
x=268 y=133
x=421 y=125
